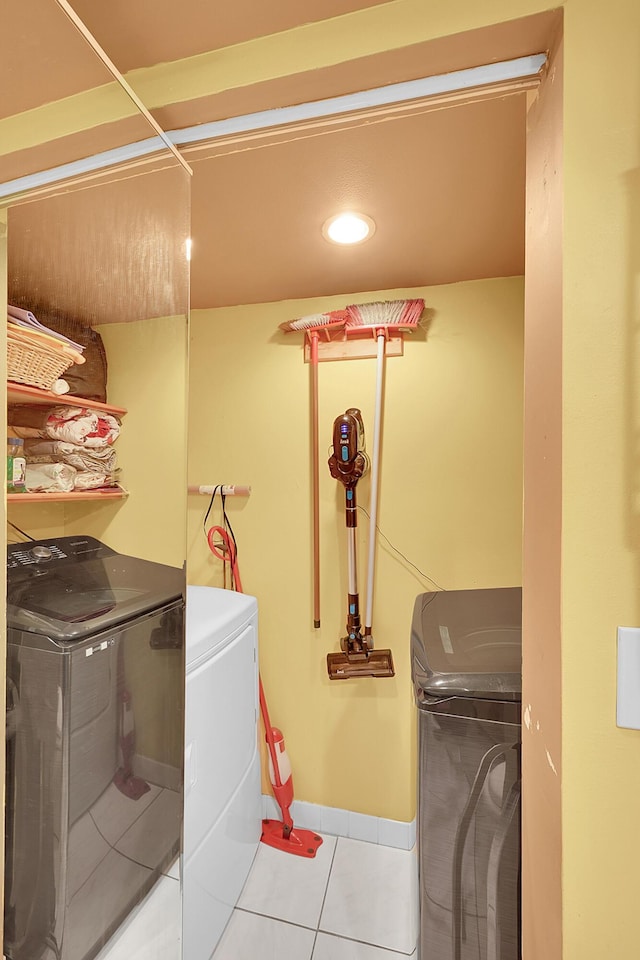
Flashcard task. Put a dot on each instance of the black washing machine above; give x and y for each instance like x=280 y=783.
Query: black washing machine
x=95 y=708
x=466 y=652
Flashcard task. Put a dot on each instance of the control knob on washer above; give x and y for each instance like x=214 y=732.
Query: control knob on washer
x=41 y=553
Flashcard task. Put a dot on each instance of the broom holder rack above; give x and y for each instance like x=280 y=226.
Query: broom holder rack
x=355 y=343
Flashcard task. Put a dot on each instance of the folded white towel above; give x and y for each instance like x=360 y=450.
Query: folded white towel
x=82 y=458
x=50 y=477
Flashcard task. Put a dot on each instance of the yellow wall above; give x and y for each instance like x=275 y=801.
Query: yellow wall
x=147 y=364
x=451 y=501
x=600 y=544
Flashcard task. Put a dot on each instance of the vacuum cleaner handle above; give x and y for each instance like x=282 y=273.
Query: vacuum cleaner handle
x=348 y=462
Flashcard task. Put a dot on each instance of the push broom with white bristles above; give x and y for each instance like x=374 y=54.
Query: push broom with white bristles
x=313 y=325
x=398 y=314
x=381 y=317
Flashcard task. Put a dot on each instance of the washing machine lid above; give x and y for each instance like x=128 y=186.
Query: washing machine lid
x=68 y=588
x=468 y=643
x=213 y=618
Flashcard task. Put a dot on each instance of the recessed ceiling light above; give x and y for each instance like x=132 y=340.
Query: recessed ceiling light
x=348 y=228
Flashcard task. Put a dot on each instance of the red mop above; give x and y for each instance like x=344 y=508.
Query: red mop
x=127 y=783
x=275 y=833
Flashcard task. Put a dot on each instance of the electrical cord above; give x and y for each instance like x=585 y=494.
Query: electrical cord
x=27 y=536
x=400 y=554
x=216 y=489
x=226 y=551
x=225 y=548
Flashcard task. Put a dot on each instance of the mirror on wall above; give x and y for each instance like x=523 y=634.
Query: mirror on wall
x=96 y=538
x=95 y=611
x=60 y=104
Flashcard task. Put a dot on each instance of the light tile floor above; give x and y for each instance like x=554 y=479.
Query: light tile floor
x=153 y=931
x=354 y=901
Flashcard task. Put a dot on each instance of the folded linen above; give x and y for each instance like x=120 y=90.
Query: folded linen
x=79 y=425
x=50 y=477
x=92 y=479
x=82 y=426
x=84 y=479
x=82 y=458
x=25 y=433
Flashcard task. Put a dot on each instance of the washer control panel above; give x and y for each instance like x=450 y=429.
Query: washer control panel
x=61 y=551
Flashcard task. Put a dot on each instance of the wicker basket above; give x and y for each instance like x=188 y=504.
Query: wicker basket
x=89 y=379
x=36 y=366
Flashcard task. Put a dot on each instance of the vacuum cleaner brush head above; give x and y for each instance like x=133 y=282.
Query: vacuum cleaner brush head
x=376 y=663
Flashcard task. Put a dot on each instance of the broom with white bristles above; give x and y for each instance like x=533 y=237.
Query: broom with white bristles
x=379 y=316
x=313 y=325
x=316 y=321
x=401 y=314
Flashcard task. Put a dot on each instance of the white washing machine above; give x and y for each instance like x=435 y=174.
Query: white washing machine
x=222 y=822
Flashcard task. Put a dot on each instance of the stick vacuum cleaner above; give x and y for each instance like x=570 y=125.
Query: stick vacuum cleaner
x=347 y=464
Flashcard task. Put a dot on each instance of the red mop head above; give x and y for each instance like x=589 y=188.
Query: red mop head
x=280 y=833
x=330 y=320
x=303 y=843
x=400 y=314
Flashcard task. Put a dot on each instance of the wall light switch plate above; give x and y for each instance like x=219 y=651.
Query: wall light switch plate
x=628 y=701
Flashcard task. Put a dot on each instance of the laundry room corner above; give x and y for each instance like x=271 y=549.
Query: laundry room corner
x=451 y=484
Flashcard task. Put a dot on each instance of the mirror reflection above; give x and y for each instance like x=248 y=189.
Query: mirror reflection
x=95 y=573
x=96 y=706
x=59 y=103
x=96 y=369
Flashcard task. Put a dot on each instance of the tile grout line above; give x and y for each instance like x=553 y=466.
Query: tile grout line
x=392 y=951
x=113 y=846
x=367 y=943
x=326 y=889
x=267 y=916
x=340 y=936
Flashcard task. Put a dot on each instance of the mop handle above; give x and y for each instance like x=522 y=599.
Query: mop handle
x=268 y=730
x=375 y=468
x=230 y=556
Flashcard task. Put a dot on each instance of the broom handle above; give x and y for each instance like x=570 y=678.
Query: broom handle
x=375 y=469
x=316 y=480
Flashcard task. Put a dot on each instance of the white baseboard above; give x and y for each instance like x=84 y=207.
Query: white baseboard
x=161 y=774
x=345 y=823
